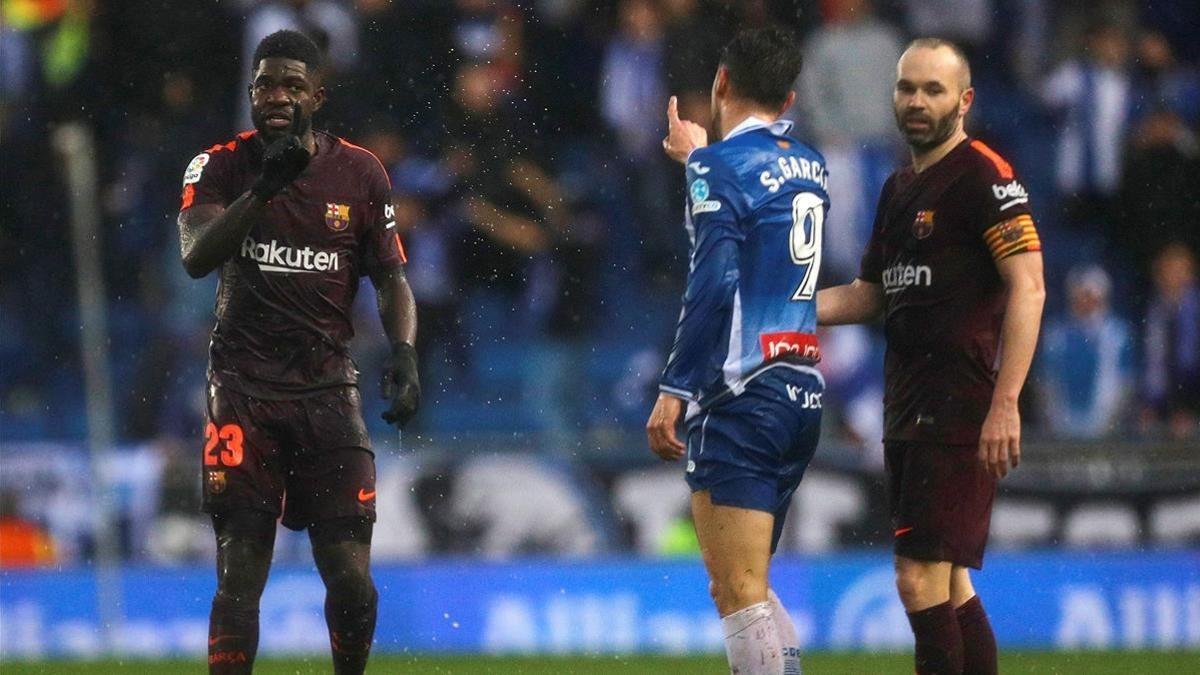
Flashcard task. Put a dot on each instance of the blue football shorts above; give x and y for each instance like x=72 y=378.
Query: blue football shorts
x=751 y=450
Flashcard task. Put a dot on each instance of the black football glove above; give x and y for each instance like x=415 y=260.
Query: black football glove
x=400 y=384
x=283 y=160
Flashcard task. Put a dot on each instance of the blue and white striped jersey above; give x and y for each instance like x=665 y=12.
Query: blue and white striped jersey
x=756 y=206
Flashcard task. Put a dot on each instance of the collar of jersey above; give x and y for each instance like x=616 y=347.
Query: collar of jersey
x=753 y=122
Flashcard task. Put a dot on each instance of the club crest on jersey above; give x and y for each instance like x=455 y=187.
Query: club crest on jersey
x=337 y=216
x=216 y=482
x=923 y=225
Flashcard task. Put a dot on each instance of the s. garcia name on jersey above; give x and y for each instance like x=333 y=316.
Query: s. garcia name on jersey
x=272 y=257
x=790 y=168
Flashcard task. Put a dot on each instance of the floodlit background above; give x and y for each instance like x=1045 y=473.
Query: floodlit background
x=524 y=512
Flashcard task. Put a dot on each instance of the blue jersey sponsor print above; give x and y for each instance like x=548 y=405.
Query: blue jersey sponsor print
x=756 y=205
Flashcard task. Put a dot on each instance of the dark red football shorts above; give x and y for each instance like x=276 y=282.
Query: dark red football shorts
x=308 y=459
x=940 y=498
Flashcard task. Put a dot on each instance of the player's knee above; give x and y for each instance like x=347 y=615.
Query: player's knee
x=914 y=583
x=350 y=584
x=737 y=590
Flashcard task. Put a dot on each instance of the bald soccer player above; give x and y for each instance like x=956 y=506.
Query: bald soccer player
x=955 y=268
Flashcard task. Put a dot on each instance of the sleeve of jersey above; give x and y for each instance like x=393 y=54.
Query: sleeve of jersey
x=711 y=283
x=382 y=248
x=1008 y=227
x=205 y=180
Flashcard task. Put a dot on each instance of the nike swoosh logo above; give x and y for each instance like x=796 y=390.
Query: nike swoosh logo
x=364 y=496
x=903 y=530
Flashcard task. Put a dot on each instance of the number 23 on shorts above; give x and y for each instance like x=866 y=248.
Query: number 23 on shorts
x=231 y=453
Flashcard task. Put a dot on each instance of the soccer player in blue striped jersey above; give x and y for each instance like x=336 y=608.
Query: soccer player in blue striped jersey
x=742 y=362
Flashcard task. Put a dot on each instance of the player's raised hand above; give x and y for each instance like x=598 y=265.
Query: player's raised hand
x=1000 y=439
x=660 y=428
x=683 y=136
x=400 y=384
x=283 y=160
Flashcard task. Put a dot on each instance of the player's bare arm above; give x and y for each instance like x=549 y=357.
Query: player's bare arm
x=856 y=302
x=660 y=428
x=209 y=234
x=1000 y=439
x=683 y=136
x=398 y=313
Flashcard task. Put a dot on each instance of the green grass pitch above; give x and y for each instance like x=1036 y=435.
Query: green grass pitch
x=1011 y=663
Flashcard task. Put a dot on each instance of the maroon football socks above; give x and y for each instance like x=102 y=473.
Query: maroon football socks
x=979 y=643
x=351 y=630
x=232 y=638
x=939 y=643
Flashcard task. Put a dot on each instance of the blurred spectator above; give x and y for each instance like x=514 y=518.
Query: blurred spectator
x=1171 y=379
x=490 y=31
x=1086 y=361
x=967 y=23
x=23 y=543
x=1160 y=193
x=1092 y=96
x=1162 y=83
x=632 y=88
x=694 y=39
x=845 y=101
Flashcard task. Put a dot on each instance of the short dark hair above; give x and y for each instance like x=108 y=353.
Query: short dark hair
x=288 y=44
x=763 y=64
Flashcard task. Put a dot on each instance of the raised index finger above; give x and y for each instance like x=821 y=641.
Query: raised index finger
x=673 y=111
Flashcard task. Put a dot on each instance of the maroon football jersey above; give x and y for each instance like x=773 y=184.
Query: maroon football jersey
x=284 y=301
x=934 y=246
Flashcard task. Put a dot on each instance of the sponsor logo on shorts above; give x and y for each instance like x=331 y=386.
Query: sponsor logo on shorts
x=272 y=257
x=809 y=400
x=691 y=466
x=775 y=345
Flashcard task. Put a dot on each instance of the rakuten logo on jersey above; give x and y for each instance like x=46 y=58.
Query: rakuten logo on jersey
x=905 y=275
x=803 y=345
x=271 y=257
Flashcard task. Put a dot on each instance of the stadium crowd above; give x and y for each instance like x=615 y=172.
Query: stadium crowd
x=543 y=223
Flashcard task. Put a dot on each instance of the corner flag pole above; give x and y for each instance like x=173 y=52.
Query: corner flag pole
x=76 y=151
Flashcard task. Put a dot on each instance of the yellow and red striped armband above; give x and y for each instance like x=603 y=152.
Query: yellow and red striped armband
x=1015 y=235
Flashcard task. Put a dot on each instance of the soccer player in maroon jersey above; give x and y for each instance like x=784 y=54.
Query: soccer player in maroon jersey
x=292 y=218
x=954 y=266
